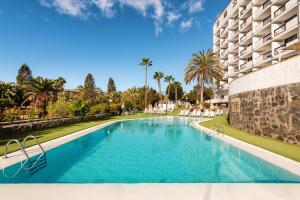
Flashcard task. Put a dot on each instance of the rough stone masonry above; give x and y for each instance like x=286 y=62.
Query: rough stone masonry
x=272 y=112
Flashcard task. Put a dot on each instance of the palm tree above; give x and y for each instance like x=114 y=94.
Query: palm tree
x=146 y=62
x=169 y=79
x=40 y=91
x=176 y=85
x=157 y=76
x=204 y=68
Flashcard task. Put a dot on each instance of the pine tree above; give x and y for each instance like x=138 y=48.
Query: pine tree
x=111 y=87
x=89 y=88
x=24 y=75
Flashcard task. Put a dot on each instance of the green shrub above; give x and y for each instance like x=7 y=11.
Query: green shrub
x=79 y=108
x=104 y=108
x=116 y=108
x=11 y=115
x=96 y=109
x=60 y=108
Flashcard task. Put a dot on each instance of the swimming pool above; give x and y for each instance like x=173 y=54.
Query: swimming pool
x=157 y=150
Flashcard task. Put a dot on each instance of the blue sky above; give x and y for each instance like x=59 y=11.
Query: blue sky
x=107 y=38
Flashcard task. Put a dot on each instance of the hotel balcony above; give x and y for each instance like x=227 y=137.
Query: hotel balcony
x=224 y=64
x=233 y=24
x=245 y=26
x=246 y=52
x=224 y=54
x=280 y=52
x=234 y=37
x=246 y=39
x=235 y=72
x=224 y=33
x=287 y=29
x=263 y=10
x=247 y=66
x=234 y=47
x=286 y=11
x=263 y=60
x=235 y=60
x=224 y=44
x=263 y=27
x=263 y=43
x=246 y=12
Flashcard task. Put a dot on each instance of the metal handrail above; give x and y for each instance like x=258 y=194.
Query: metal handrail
x=20 y=145
x=36 y=141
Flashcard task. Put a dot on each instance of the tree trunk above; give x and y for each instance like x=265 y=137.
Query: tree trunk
x=159 y=88
x=176 y=95
x=202 y=91
x=146 y=87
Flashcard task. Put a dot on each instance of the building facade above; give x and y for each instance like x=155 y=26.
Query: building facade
x=253 y=34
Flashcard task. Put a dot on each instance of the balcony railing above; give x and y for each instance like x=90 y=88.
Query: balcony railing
x=267 y=55
x=267 y=20
x=246 y=50
x=246 y=22
x=277 y=50
x=224 y=53
x=246 y=65
x=284 y=7
x=247 y=35
x=292 y=23
x=267 y=38
x=249 y=5
x=260 y=59
x=263 y=7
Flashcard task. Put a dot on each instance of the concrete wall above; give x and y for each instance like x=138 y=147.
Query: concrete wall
x=267 y=102
x=283 y=73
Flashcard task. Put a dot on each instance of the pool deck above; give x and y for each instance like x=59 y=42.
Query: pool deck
x=151 y=192
x=205 y=191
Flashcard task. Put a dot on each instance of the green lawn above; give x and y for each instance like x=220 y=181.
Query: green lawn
x=50 y=134
x=288 y=150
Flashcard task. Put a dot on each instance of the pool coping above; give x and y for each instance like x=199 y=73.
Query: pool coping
x=195 y=191
x=276 y=159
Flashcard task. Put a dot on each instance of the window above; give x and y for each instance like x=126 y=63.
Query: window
x=218 y=23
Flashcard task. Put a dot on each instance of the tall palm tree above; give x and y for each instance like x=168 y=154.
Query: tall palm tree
x=169 y=79
x=204 y=67
x=157 y=76
x=176 y=85
x=146 y=62
x=39 y=92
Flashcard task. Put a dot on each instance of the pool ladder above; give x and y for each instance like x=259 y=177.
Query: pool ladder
x=217 y=129
x=34 y=165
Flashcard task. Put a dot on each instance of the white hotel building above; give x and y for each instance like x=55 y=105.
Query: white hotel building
x=253 y=34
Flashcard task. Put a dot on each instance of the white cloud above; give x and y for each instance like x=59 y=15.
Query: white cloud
x=172 y=16
x=160 y=11
x=75 y=8
x=195 y=5
x=186 y=24
x=106 y=7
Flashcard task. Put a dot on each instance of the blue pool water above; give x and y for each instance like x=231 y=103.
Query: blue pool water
x=160 y=150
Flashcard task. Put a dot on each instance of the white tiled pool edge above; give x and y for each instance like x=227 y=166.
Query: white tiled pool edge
x=150 y=191
x=276 y=159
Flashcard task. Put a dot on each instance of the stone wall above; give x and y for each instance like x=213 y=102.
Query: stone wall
x=273 y=112
x=41 y=125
